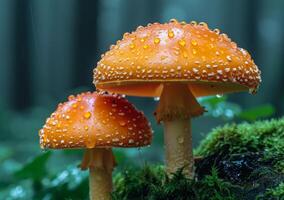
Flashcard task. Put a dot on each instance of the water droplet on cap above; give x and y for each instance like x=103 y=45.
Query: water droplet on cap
x=87 y=115
x=194 y=42
x=182 y=42
x=180 y=140
x=132 y=46
x=157 y=40
x=171 y=34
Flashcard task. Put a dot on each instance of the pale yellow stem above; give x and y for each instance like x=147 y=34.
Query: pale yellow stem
x=100 y=183
x=178 y=147
x=176 y=107
x=100 y=162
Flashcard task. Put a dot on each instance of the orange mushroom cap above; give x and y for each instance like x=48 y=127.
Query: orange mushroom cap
x=209 y=62
x=92 y=120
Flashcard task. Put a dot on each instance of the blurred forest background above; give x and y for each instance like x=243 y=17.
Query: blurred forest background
x=48 y=50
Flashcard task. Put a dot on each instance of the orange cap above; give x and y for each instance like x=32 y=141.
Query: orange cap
x=92 y=120
x=209 y=62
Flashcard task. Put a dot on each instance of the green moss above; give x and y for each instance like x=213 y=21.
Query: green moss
x=136 y=184
x=266 y=137
x=249 y=159
x=152 y=183
x=276 y=193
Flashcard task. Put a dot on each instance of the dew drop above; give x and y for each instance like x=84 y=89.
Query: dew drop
x=194 y=42
x=87 y=115
x=132 y=46
x=180 y=140
x=90 y=144
x=157 y=40
x=182 y=42
x=156 y=98
x=219 y=95
x=171 y=34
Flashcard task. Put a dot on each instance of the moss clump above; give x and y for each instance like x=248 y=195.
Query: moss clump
x=152 y=183
x=276 y=193
x=266 y=137
x=243 y=161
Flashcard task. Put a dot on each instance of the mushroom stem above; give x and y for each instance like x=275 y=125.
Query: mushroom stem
x=100 y=162
x=176 y=107
x=100 y=183
x=178 y=147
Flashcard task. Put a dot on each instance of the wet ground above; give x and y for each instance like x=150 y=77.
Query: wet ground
x=249 y=172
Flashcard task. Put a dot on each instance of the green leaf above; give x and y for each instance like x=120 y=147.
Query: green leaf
x=258 y=112
x=35 y=169
x=71 y=183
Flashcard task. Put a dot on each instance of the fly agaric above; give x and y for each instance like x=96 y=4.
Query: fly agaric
x=177 y=62
x=96 y=122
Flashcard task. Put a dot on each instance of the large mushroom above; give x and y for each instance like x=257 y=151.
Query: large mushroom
x=177 y=62
x=96 y=122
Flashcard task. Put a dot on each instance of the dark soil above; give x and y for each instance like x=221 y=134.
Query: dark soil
x=249 y=171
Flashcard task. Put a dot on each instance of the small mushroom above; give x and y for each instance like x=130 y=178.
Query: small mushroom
x=96 y=122
x=177 y=62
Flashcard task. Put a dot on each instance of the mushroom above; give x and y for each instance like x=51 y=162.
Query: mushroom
x=96 y=122
x=177 y=62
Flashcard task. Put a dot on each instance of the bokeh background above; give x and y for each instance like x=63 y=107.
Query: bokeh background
x=48 y=50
